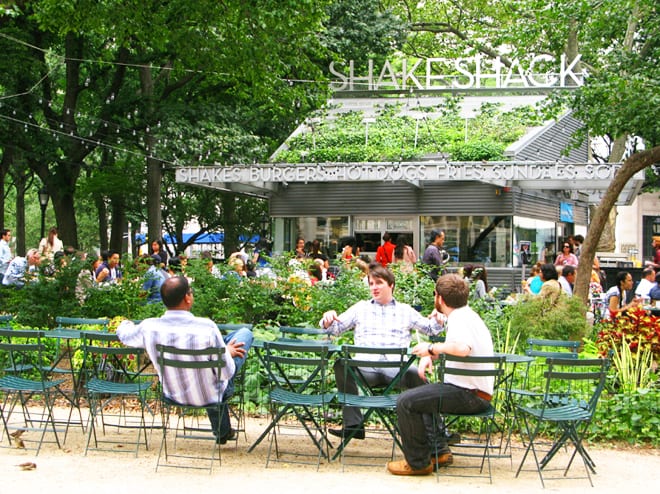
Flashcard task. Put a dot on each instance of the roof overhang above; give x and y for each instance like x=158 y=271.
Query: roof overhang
x=262 y=180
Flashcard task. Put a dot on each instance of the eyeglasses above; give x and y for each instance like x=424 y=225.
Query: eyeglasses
x=567 y=246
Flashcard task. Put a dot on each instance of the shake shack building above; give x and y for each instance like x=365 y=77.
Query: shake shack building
x=540 y=194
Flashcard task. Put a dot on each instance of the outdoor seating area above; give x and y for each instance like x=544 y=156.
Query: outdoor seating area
x=531 y=414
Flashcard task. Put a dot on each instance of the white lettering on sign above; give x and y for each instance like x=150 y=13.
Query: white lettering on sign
x=390 y=172
x=439 y=74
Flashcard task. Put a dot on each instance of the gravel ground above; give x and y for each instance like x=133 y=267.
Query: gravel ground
x=66 y=470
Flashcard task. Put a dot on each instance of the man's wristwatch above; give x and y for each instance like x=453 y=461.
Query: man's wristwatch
x=430 y=350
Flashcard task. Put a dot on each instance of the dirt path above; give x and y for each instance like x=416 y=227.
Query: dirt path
x=67 y=470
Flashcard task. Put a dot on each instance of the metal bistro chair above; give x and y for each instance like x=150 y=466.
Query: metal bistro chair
x=378 y=401
x=533 y=380
x=476 y=366
x=23 y=379
x=67 y=336
x=174 y=362
x=298 y=380
x=112 y=387
x=580 y=384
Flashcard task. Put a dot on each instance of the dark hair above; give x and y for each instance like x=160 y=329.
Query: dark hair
x=400 y=247
x=647 y=271
x=376 y=270
x=479 y=273
x=549 y=272
x=568 y=269
x=5 y=231
x=173 y=290
x=453 y=289
x=621 y=277
x=386 y=236
x=435 y=234
x=579 y=238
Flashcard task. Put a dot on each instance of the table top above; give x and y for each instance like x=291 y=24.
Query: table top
x=514 y=358
x=69 y=334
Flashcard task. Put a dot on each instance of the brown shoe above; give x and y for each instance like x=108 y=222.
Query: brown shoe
x=443 y=460
x=401 y=467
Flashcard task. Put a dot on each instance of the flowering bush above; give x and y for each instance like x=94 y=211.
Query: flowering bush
x=636 y=328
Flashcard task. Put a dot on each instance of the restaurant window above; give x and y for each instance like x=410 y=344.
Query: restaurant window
x=535 y=236
x=328 y=229
x=472 y=239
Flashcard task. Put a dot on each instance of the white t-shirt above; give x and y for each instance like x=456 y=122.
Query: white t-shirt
x=644 y=287
x=465 y=326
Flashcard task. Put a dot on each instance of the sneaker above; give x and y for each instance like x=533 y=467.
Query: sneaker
x=231 y=435
x=442 y=460
x=358 y=432
x=401 y=467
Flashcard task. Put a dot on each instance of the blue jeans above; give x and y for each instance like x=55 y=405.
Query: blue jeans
x=413 y=409
x=240 y=335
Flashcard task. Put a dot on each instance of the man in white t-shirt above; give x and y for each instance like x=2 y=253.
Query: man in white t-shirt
x=467 y=335
x=646 y=284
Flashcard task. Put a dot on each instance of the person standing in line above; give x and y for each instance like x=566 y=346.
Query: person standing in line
x=404 y=254
x=467 y=335
x=566 y=257
x=51 y=244
x=435 y=255
x=5 y=251
x=385 y=252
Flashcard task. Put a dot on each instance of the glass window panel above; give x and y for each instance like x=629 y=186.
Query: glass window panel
x=540 y=234
x=482 y=239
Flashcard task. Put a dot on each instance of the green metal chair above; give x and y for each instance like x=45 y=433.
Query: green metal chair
x=173 y=362
x=23 y=380
x=113 y=388
x=480 y=446
x=580 y=384
x=298 y=381
x=379 y=402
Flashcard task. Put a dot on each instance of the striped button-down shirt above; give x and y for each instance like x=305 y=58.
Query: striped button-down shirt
x=179 y=328
x=377 y=325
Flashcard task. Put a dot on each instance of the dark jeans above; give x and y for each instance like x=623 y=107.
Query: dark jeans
x=240 y=335
x=374 y=376
x=416 y=405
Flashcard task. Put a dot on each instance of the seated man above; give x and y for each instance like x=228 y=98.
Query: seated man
x=379 y=322
x=178 y=327
x=567 y=279
x=467 y=335
x=21 y=268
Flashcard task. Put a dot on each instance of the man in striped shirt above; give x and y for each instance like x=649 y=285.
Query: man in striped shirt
x=179 y=328
x=379 y=322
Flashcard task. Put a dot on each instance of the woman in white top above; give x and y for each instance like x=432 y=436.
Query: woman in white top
x=51 y=244
x=616 y=296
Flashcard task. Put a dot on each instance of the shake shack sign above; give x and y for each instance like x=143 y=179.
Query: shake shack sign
x=441 y=74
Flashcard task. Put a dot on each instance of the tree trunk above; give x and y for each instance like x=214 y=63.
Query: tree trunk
x=65 y=215
x=102 y=212
x=230 y=222
x=119 y=224
x=154 y=173
x=635 y=163
x=4 y=168
x=20 y=180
